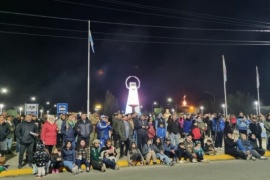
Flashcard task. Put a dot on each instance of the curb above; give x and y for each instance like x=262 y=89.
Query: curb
x=121 y=163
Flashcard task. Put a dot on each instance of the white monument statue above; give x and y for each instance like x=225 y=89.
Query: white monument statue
x=133 y=104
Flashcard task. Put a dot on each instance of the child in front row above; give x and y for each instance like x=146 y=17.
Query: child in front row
x=161 y=132
x=56 y=160
x=209 y=148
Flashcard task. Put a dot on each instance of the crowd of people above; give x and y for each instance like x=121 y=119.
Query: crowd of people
x=49 y=144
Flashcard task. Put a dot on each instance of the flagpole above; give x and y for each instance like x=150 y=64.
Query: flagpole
x=224 y=81
x=88 y=74
x=258 y=90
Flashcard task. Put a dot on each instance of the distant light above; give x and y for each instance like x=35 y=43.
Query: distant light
x=155 y=103
x=4 y=90
x=33 y=98
x=55 y=105
x=48 y=103
x=41 y=111
x=20 y=108
x=256 y=103
x=169 y=99
x=223 y=105
x=201 y=107
x=1 y=105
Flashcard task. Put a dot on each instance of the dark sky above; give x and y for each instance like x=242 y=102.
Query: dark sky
x=55 y=69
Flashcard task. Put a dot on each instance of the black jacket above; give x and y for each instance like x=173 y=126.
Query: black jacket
x=23 y=132
x=230 y=145
x=255 y=128
x=173 y=127
x=4 y=131
x=84 y=129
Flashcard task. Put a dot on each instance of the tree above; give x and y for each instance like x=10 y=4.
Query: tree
x=240 y=102
x=111 y=104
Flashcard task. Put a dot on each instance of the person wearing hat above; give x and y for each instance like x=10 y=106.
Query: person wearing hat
x=103 y=130
x=95 y=159
x=141 y=126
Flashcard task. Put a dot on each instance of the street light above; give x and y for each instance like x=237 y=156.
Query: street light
x=20 y=109
x=1 y=108
x=154 y=104
x=202 y=109
x=4 y=90
x=33 y=98
x=256 y=105
x=223 y=107
x=48 y=103
x=169 y=100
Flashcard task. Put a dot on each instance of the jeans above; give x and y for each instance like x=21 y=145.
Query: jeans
x=141 y=140
x=174 y=139
x=124 y=144
x=109 y=163
x=9 y=143
x=69 y=164
x=163 y=158
x=17 y=145
x=82 y=161
x=41 y=171
x=29 y=147
x=59 y=140
x=3 y=145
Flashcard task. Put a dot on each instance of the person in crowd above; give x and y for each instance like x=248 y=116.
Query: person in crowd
x=68 y=156
x=209 y=148
x=83 y=129
x=256 y=129
x=16 y=123
x=253 y=141
x=228 y=126
x=199 y=152
x=161 y=132
x=41 y=157
x=49 y=133
x=4 y=132
x=96 y=159
x=10 y=136
x=244 y=145
x=59 y=122
x=267 y=129
x=208 y=122
x=170 y=149
x=196 y=132
x=181 y=120
x=159 y=150
x=174 y=129
x=110 y=150
x=189 y=146
x=181 y=152
x=160 y=121
x=56 y=160
x=103 y=130
x=108 y=160
x=125 y=133
x=26 y=132
x=218 y=126
x=231 y=148
x=233 y=121
x=116 y=119
x=68 y=131
x=151 y=132
x=94 y=119
x=203 y=127
x=141 y=126
x=187 y=125
x=134 y=117
x=83 y=155
x=134 y=155
x=242 y=124
x=149 y=153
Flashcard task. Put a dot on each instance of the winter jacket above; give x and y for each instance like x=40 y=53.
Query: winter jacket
x=242 y=124
x=68 y=155
x=4 y=131
x=103 y=130
x=121 y=129
x=228 y=128
x=138 y=123
x=173 y=127
x=189 y=146
x=151 y=133
x=83 y=152
x=159 y=121
x=181 y=122
x=187 y=125
x=68 y=131
x=158 y=147
x=23 y=132
x=41 y=158
x=49 y=133
x=233 y=120
x=133 y=151
x=218 y=125
x=95 y=154
x=244 y=145
x=230 y=145
x=115 y=125
x=147 y=148
x=11 y=128
x=267 y=125
x=161 y=133
x=196 y=133
x=255 y=128
x=84 y=129
x=59 y=123
x=169 y=147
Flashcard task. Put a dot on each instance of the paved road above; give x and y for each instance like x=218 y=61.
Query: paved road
x=221 y=170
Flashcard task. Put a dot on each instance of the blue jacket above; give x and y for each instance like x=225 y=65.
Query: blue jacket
x=244 y=145
x=187 y=125
x=68 y=133
x=242 y=124
x=161 y=132
x=218 y=125
x=103 y=130
x=169 y=147
x=68 y=155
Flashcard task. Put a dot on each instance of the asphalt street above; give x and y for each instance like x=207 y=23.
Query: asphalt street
x=233 y=170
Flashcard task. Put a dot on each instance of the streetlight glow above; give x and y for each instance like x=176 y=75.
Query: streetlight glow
x=33 y=98
x=202 y=109
x=4 y=90
x=48 y=103
x=169 y=100
x=256 y=105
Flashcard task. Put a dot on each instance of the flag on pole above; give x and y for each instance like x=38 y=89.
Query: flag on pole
x=257 y=77
x=91 y=41
x=224 y=69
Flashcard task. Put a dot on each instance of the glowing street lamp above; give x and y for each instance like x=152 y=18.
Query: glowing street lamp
x=223 y=107
x=169 y=100
x=202 y=109
x=33 y=98
x=4 y=90
x=256 y=105
x=20 y=109
x=48 y=103
x=154 y=104
x=97 y=107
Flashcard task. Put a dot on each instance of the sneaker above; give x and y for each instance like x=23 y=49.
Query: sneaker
x=249 y=156
x=87 y=169
x=74 y=170
x=263 y=158
x=171 y=164
x=205 y=161
x=253 y=158
x=182 y=162
x=53 y=171
x=56 y=171
x=103 y=168
x=80 y=170
x=20 y=166
x=116 y=167
x=194 y=160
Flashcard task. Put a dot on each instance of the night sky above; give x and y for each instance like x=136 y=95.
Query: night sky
x=55 y=69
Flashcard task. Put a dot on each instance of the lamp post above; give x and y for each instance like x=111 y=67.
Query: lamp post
x=20 y=109
x=223 y=107
x=154 y=104
x=41 y=111
x=202 y=109
x=214 y=96
x=1 y=108
x=256 y=105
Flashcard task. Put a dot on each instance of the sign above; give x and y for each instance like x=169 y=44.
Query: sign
x=62 y=108
x=31 y=109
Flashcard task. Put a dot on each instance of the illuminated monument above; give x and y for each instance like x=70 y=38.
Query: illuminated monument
x=133 y=104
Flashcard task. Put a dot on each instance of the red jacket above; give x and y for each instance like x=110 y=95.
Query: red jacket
x=233 y=120
x=49 y=133
x=196 y=132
